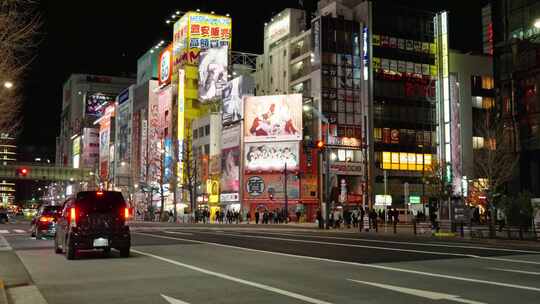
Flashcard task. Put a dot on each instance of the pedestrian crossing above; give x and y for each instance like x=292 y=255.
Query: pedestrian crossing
x=14 y=231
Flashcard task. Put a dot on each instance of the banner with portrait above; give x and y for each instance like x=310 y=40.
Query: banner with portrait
x=213 y=75
x=230 y=164
x=267 y=157
x=273 y=118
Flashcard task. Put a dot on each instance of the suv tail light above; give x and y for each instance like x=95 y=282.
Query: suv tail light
x=46 y=219
x=73 y=217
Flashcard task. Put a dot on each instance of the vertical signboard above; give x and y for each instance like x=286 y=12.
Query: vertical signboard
x=181 y=123
x=90 y=150
x=316 y=43
x=165 y=66
x=230 y=164
x=154 y=141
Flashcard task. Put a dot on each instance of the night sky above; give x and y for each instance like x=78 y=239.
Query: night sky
x=107 y=37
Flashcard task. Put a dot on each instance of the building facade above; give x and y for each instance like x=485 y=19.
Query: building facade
x=8 y=155
x=516 y=32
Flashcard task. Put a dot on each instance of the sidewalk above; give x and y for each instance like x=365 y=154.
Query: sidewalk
x=16 y=285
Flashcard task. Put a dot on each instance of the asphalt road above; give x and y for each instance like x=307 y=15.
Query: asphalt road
x=247 y=265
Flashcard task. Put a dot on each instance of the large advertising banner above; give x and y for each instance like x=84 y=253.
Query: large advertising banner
x=270 y=187
x=135 y=145
x=267 y=157
x=233 y=93
x=197 y=31
x=104 y=140
x=123 y=132
x=230 y=164
x=273 y=118
x=165 y=102
x=212 y=73
x=96 y=103
x=90 y=150
x=154 y=141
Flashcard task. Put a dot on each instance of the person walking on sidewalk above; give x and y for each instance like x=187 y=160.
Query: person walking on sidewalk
x=248 y=217
x=256 y=216
x=320 y=219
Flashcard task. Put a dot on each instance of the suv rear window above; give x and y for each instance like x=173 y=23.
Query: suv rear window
x=52 y=210
x=106 y=202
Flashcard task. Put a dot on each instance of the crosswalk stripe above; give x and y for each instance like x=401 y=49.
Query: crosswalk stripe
x=19 y=231
x=4 y=231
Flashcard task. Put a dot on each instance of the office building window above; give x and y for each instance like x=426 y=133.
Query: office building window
x=201 y=132
x=195 y=134
x=478 y=142
x=207 y=130
x=487 y=82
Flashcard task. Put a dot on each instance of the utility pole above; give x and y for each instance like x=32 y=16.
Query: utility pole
x=286 y=197
x=327 y=176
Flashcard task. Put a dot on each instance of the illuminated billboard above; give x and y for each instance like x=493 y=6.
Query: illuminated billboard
x=230 y=164
x=165 y=66
x=271 y=156
x=271 y=118
x=197 y=31
x=279 y=28
x=212 y=73
x=97 y=102
x=233 y=93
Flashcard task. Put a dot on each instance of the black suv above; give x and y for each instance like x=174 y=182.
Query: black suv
x=93 y=220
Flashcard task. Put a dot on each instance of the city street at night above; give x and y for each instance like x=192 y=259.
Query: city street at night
x=277 y=265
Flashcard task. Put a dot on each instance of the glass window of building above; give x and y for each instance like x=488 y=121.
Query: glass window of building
x=478 y=142
x=487 y=82
x=201 y=132
x=207 y=130
x=195 y=134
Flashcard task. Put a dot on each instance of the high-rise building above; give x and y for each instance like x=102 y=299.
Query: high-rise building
x=8 y=155
x=516 y=29
x=85 y=98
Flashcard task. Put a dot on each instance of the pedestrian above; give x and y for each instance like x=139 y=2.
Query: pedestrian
x=256 y=216
x=298 y=214
x=319 y=219
x=248 y=217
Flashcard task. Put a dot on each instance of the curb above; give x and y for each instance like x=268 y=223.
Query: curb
x=3 y=294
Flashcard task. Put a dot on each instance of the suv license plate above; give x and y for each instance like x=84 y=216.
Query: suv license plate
x=101 y=242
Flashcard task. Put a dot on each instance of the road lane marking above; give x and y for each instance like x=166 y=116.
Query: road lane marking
x=510 y=260
x=348 y=245
x=19 y=231
x=4 y=245
x=388 y=268
x=4 y=231
x=176 y=232
x=387 y=248
x=405 y=243
x=173 y=300
x=235 y=279
x=515 y=270
x=436 y=296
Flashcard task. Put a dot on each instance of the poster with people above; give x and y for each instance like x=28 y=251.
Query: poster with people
x=271 y=118
x=271 y=156
x=213 y=75
x=230 y=164
x=233 y=93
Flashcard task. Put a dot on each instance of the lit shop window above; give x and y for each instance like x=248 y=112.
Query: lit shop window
x=487 y=82
x=406 y=161
x=485 y=103
x=478 y=142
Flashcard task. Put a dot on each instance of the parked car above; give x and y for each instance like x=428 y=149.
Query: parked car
x=94 y=220
x=44 y=223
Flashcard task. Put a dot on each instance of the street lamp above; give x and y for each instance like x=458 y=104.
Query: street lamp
x=8 y=84
x=326 y=156
x=537 y=23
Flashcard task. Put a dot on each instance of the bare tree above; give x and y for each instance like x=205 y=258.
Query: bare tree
x=495 y=163
x=19 y=24
x=190 y=172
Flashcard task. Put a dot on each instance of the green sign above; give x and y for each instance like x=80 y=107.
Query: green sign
x=414 y=200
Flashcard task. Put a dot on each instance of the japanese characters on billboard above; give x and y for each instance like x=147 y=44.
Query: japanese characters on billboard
x=197 y=31
x=264 y=157
x=154 y=141
x=97 y=102
x=104 y=142
x=165 y=66
x=212 y=73
x=233 y=94
x=90 y=151
x=230 y=164
x=261 y=186
x=271 y=118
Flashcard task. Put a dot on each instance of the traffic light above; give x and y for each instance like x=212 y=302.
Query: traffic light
x=23 y=172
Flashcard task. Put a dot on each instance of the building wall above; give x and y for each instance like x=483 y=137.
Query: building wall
x=465 y=66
